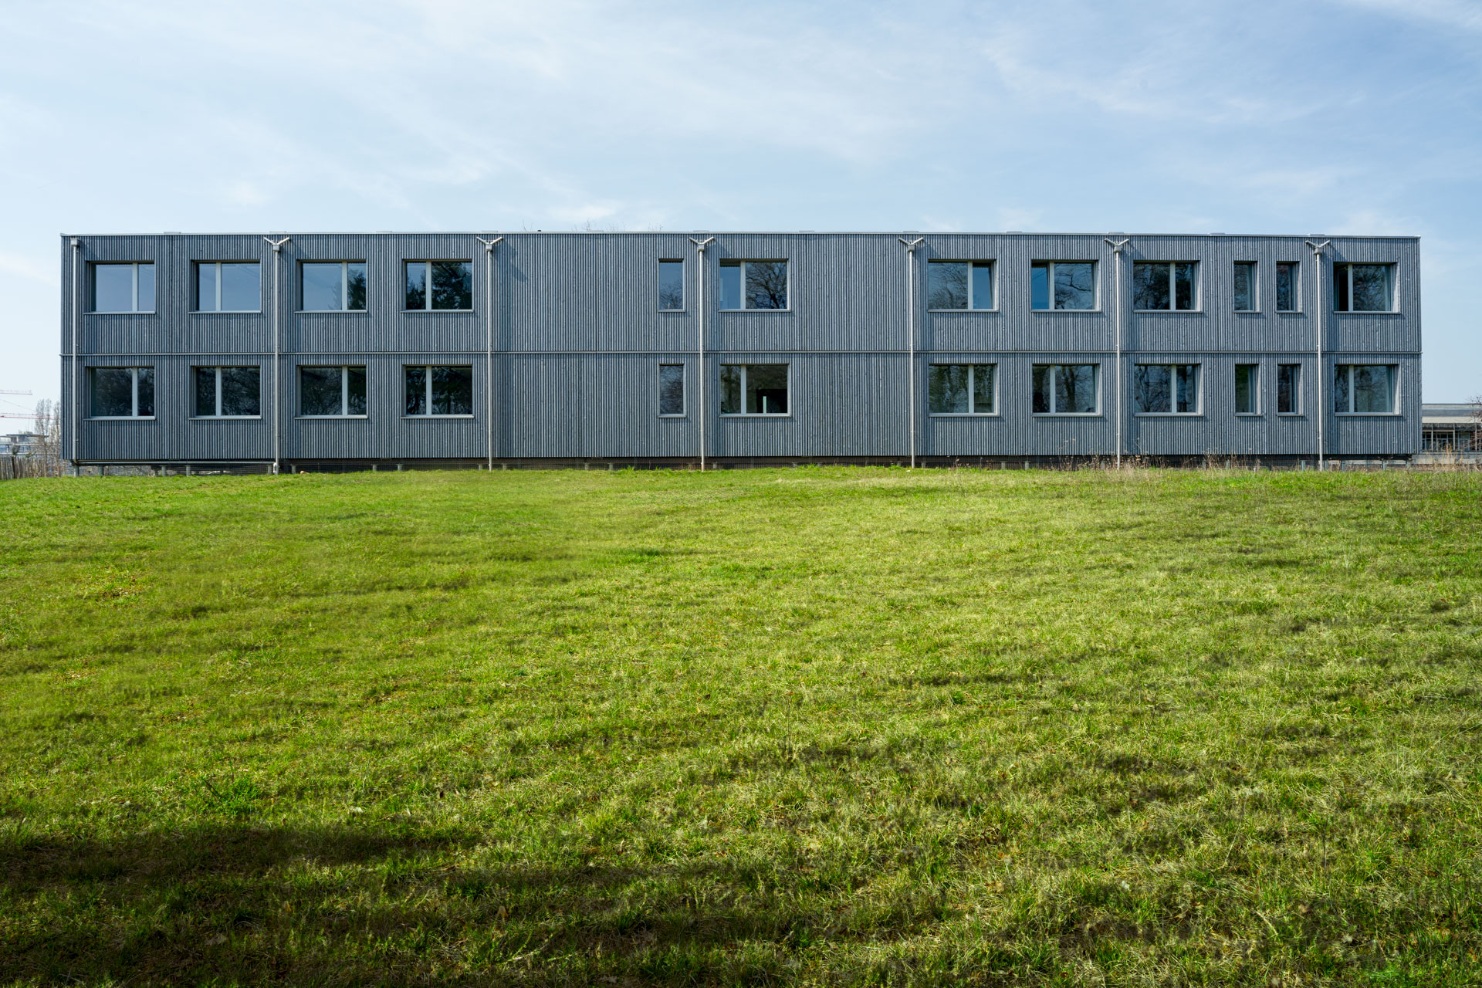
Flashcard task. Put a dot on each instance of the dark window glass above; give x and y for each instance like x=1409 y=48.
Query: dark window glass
x=671 y=389
x=1288 y=388
x=355 y=391
x=960 y=389
x=205 y=391
x=452 y=390
x=416 y=285
x=730 y=389
x=1075 y=285
x=1183 y=287
x=1042 y=391
x=1364 y=389
x=1064 y=389
x=321 y=390
x=982 y=286
x=1286 y=287
x=1039 y=285
x=1167 y=388
x=947 y=284
x=112 y=392
x=730 y=284
x=754 y=389
x=241 y=391
x=671 y=285
x=355 y=286
x=1150 y=286
x=1246 y=380
x=766 y=285
x=1362 y=288
x=452 y=285
x=416 y=391
x=241 y=287
x=144 y=383
x=1245 y=286
x=323 y=286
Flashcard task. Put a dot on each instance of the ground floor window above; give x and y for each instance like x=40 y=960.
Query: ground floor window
x=331 y=392
x=1364 y=389
x=434 y=390
x=671 y=389
x=961 y=389
x=121 y=392
x=228 y=392
x=1065 y=389
x=753 y=389
x=1247 y=389
x=1166 y=389
x=1288 y=389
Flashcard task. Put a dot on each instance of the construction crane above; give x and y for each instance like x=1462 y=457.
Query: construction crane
x=4 y=392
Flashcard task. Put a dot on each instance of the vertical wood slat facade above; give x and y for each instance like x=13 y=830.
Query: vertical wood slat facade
x=578 y=337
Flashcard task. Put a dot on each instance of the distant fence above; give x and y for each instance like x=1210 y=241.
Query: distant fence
x=31 y=465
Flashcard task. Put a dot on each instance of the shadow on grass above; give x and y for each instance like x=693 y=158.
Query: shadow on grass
x=228 y=905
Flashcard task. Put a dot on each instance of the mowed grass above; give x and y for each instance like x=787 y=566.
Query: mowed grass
x=811 y=726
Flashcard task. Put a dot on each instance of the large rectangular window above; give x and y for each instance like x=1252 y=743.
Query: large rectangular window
x=1062 y=285
x=332 y=286
x=1364 y=389
x=1247 y=389
x=671 y=286
x=961 y=389
x=753 y=284
x=1065 y=389
x=123 y=287
x=1363 y=288
x=1288 y=389
x=1166 y=389
x=959 y=285
x=1286 y=287
x=1168 y=285
x=121 y=392
x=434 y=390
x=228 y=392
x=228 y=286
x=331 y=392
x=1245 y=286
x=671 y=389
x=434 y=286
x=753 y=389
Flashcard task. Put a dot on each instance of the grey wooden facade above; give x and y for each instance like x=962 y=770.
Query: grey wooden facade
x=566 y=330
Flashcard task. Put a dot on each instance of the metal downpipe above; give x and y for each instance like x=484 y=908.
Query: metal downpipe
x=700 y=246
x=489 y=347
x=911 y=246
x=1317 y=250
x=277 y=355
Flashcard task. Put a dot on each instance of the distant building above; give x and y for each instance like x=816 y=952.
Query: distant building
x=20 y=444
x=1450 y=428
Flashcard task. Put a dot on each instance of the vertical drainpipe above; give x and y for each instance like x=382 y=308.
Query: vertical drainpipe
x=489 y=346
x=277 y=246
x=1117 y=247
x=911 y=246
x=700 y=246
x=1317 y=302
x=76 y=316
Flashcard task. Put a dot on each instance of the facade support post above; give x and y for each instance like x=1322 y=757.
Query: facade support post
x=1317 y=250
x=911 y=246
x=489 y=347
x=700 y=411
x=277 y=246
x=1117 y=247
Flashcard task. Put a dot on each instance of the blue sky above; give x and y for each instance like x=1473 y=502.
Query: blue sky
x=1330 y=116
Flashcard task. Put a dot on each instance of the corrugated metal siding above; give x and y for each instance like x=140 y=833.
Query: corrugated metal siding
x=578 y=337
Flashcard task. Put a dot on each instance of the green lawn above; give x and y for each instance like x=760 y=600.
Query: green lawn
x=814 y=726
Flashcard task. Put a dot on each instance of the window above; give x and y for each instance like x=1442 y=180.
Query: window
x=959 y=285
x=1286 y=286
x=1288 y=389
x=671 y=286
x=960 y=389
x=433 y=391
x=123 y=287
x=1065 y=389
x=671 y=389
x=753 y=389
x=1164 y=285
x=1073 y=283
x=121 y=392
x=1166 y=389
x=1363 y=287
x=439 y=285
x=1364 y=389
x=1245 y=286
x=228 y=392
x=332 y=286
x=331 y=392
x=228 y=286
x=753 y=285
x=1247 y=389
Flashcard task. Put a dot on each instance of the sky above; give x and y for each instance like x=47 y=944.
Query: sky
x=1321 y=117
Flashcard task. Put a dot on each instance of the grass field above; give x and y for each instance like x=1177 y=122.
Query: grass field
x=813 y=726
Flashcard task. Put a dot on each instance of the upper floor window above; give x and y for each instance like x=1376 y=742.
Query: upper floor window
x=1164 y=285
x=121 y=392
x=228 y=392
x=439 y=285
x=1286 y=286
x=671 y=286
x=439 y=391
x=959 y=285
x=1364 y=389
x=228 y=286
x=1062 y=285
x=1245 y=286
x=753 y=389
x=123 y=287
x=961 y=389
x=1166 y=389
x=331 y=392
x=753 y=284
x=332 y=286
x=1065 y=389
x=1363 y=287
x=671 y=389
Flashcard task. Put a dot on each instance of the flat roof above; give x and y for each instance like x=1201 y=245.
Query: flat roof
x=735 y=233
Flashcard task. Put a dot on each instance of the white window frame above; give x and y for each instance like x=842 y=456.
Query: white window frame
x=684 y=390
x=743 y=413
x=426 y=393
x=730 y=262
x=1050 y=274
x=972 y=373
x=135 y=311
x=1296 y=308
x=684 y=295
x=1198 y=298
x=1394 y=288
x=1255 y=286
x=427 y=290
x=133 y=394
x=1394 y=397
x=216 y=266
x=218 y=369
x=992 y=267
x=1174 y=413
x=1056 y=368
x=345 y=286
x=344 y=370
x=1299 y=400
x=1259 y=409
